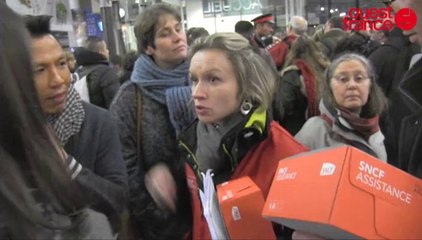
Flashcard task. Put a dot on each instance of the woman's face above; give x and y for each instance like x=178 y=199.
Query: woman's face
x=170 y=43
x=350 y=85
x=215 y=89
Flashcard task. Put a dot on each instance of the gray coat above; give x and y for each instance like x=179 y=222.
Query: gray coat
x=317 y=133
x=159 y=145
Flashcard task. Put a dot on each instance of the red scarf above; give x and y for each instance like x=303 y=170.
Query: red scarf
x=310 y=87
x=364 y=126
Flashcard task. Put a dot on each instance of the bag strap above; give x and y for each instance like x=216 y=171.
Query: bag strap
x=139 y=126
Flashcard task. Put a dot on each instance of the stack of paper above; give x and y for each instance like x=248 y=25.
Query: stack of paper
x=211 y=208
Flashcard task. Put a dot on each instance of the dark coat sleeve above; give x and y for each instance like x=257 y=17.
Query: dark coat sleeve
x=141 y=205
x=98 y=165
x=103 y=86
x=152 y=222
x=293 y=102
x=384 y=60
x=110 y=84
x=290 y=90
x=123 y=110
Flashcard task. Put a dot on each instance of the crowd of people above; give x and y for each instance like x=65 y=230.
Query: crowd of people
x=127 y=162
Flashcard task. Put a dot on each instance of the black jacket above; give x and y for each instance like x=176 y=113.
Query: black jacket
x=103 y=82
x=410 y=144
x=391 y=62
x=103 y=178
x=294 y=102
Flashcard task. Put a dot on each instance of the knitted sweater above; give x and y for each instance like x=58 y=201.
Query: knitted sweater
x=159 y=144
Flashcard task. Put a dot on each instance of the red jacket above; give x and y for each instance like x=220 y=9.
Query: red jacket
x=259 y=163
x=279 y=50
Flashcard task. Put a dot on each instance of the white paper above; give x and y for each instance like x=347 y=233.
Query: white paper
x=211 y=208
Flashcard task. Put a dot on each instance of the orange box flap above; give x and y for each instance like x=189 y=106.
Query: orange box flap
x=241 y=203
x=345 y=193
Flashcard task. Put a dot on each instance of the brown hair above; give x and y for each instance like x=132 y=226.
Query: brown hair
x=306 y=49
x=147 y=24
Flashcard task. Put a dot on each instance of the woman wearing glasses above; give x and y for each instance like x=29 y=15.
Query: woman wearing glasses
x=350 y=108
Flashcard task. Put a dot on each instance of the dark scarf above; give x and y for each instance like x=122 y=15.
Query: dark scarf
x=69 y=121
x=168 y=87
x=310 y=86
x=363 y=126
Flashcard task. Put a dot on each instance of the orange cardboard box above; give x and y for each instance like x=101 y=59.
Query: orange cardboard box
x=344 y=193
x=241 y=203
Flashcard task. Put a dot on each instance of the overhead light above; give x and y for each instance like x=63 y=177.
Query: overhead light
x=336 y=9
x=122 y=13
x=343 y=14
x=322 y=8
x=331 y=11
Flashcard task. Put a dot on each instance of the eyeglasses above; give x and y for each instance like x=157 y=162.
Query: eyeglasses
x=343 y=78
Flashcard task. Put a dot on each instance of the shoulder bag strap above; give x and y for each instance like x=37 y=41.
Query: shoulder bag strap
x=139 y=126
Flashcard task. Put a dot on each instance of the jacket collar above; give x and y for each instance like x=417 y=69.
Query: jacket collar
x=254 y=128
x=411 y=86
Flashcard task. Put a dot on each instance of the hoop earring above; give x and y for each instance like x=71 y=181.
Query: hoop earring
x=245 y=107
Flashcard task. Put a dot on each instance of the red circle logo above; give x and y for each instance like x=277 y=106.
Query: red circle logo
x=405 y=19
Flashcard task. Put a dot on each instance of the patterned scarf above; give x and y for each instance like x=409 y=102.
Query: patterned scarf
x=363 y=126
x=69 y=121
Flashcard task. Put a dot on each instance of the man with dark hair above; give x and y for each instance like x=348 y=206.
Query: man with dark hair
x=194 y=33
x=245 y=29
x=410 y=139
x=87 y=133
x=333 y=33
x=102 y=80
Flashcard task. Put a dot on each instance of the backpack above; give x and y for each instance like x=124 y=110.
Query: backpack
x=81 y=83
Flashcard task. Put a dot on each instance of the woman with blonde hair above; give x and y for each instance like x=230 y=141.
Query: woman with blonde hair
x=234 y=134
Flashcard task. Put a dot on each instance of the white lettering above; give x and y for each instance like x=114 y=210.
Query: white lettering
x=207 y=8
x=217 y=7
x=256 y=3
x=379 y=185
x=372 y=170
x=286 y=176
x=236 y=5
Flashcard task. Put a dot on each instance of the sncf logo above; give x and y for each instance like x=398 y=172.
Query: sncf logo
x=379 y=19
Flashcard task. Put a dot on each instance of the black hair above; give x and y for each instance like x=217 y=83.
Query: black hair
x=194 y=33
x=38 y=26
x=242 y=27
x=29 y=156
x=94 y=44
x=336 y=22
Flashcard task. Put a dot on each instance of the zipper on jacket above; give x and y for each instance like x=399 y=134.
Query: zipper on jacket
x=230 y=156
x=194 y=159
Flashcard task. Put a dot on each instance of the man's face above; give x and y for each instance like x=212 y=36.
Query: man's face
x=415 y=34
x=264 y=29
x=52 y=76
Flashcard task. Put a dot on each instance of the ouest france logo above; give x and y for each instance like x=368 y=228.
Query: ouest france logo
x=379 y=19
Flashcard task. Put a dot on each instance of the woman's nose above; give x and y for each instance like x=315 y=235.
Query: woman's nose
x=198 y=91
